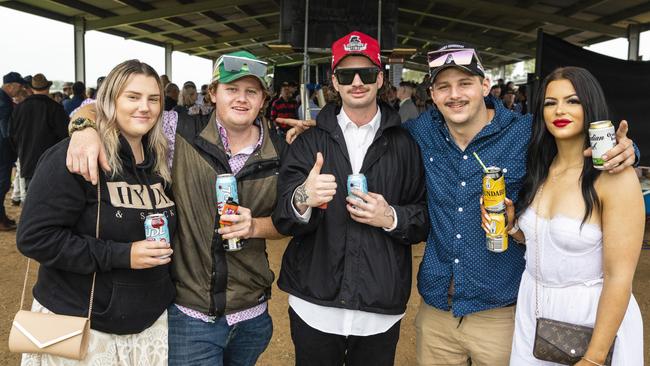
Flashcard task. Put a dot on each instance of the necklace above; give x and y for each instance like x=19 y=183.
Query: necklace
x=554 y=177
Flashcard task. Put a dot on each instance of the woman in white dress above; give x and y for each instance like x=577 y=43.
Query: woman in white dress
x=586 y=226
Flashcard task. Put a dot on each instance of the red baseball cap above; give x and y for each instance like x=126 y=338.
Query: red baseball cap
x=356 y=43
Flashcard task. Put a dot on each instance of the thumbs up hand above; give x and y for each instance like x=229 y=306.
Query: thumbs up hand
x=316 y=190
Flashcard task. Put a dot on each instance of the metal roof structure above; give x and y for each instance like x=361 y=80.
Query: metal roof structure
x=504 y=31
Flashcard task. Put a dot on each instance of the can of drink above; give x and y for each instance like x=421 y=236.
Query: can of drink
x=497 y=238
x=602 y=137
x=157 y=229
x=226 y=188
x=357 y=182
x=234 y=244
x=494 y=190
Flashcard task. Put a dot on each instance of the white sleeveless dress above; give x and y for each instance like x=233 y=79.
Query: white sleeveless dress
x=570 y=282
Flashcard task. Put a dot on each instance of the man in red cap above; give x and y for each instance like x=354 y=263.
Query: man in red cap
x=348 y=267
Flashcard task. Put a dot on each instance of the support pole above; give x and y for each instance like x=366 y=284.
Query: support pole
x=633 y=38
x=169 y=48
x=79 y=49
x=304 y=95
x=379 y=25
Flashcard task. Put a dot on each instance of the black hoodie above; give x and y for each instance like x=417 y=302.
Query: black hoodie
x=57 y=228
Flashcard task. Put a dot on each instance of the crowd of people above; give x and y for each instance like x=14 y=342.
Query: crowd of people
x=146 y=146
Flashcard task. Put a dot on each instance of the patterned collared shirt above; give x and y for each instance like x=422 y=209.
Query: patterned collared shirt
x=456 y=246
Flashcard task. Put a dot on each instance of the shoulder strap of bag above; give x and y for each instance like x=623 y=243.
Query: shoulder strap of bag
x=92 y=287
x=537 y=245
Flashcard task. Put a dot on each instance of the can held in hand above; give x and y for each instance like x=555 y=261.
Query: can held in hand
x=226 y=188
x=156 y=228
x=357 y=182
x=602 y=137
x=494 y=190
x=494 y=200
x=497 y=238
x=234 y=244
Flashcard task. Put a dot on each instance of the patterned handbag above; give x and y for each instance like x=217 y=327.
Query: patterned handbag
x=556 y=341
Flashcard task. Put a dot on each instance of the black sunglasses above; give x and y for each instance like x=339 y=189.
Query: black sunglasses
x=368 y=75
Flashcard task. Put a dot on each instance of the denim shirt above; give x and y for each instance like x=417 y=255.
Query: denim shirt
x=456 y=245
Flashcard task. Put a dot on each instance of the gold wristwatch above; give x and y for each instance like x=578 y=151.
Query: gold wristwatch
x=80 y=124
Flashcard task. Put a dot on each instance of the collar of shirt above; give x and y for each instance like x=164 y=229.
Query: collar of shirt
x=245 y=151
x=358 y=139
x=346 y=123
x=401 y=102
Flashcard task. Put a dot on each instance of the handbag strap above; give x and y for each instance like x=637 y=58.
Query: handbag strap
x=537 y=244
x=92 y=287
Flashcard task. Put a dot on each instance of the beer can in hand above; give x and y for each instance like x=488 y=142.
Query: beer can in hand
x=602 y=138
x=494 y=200
x=156 y=228
x=497 y=238
x=234 y=244
x=357 y=182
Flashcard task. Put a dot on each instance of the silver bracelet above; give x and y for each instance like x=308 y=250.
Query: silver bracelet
x=591 y=361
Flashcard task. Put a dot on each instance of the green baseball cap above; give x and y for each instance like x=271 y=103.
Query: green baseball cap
x=236 y=65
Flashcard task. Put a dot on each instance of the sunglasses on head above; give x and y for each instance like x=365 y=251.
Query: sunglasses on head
x=236 y=64
x=457 y=56
x=368 y=75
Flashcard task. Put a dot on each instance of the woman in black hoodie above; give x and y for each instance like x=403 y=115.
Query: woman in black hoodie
x=57 y=228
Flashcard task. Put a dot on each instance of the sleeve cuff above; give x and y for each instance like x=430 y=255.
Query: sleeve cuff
x=121 y=254
x=304 y=218
x=392 y=227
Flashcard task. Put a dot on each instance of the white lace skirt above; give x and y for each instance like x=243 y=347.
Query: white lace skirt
x=146 y=348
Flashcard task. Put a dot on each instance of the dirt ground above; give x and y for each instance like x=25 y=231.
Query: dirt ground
x=280 y=351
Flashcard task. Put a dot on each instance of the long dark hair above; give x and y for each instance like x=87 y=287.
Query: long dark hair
x=542 y=149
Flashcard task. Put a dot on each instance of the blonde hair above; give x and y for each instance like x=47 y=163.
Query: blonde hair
x=184 y=98
x=108 y=128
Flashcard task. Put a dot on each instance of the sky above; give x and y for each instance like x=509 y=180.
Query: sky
x=32 y=44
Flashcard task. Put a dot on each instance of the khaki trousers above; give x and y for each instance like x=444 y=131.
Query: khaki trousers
x=485 y=337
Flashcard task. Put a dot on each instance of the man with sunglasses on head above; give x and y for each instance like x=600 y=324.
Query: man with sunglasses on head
x=469 y=292
x=219 y=315
x=348 y=267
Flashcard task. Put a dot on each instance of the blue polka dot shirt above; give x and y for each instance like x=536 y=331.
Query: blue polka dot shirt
x=456 y=245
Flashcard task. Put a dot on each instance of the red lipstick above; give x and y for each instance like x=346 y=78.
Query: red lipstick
x=561 y=122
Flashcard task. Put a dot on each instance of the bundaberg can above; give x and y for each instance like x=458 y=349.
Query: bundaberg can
x=602 y=137
x=494 y=196
x=226 y=188
x=357 y=182
x=156 y=228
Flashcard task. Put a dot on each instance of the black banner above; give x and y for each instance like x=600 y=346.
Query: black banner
x=626 y=84
x=330 y=20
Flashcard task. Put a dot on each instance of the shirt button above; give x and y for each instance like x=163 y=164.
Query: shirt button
x=431 y=159
x=460 y=209
x=505 y=170
x=456 y=261
x=464 y=157
x=447 y=138
x=458 y=236
x=463 y=184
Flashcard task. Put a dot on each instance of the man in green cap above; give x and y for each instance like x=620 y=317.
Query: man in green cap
x=219 y=316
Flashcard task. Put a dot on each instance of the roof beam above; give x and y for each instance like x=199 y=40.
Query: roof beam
x=508 y=10
x=458 y=20
x=167 y=12
x=578 y=7
x=234 y=48
x=214 y=41
x=211 y=24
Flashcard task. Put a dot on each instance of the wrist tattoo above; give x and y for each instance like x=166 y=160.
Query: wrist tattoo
x=301 y=195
